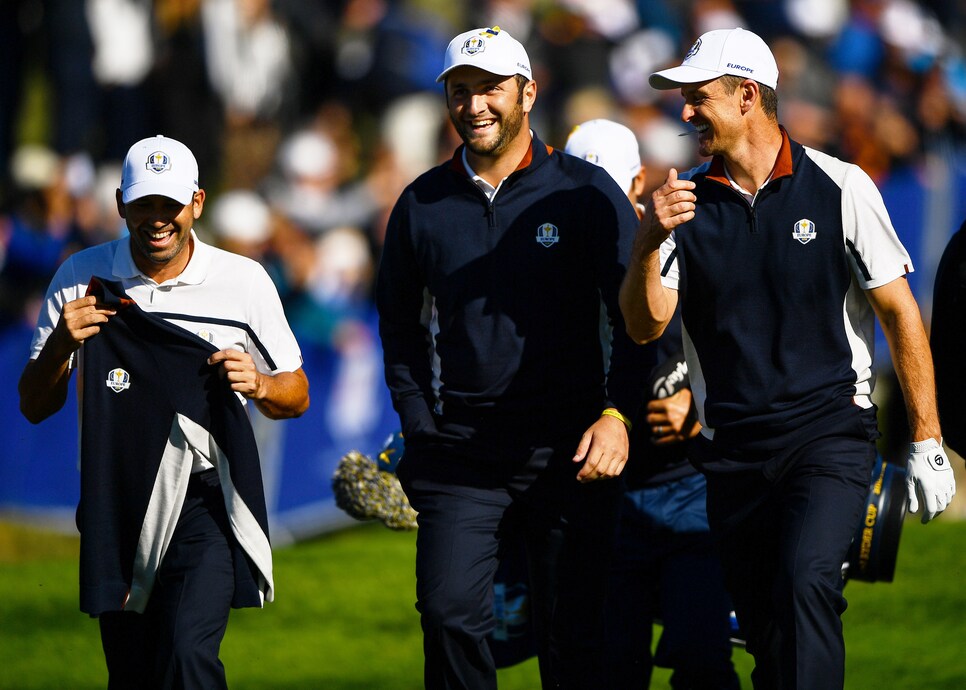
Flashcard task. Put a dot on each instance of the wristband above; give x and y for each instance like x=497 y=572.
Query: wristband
x=613 y=412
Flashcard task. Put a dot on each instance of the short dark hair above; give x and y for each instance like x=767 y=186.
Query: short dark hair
x=769 y=99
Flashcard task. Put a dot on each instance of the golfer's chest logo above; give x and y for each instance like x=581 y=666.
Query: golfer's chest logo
x=548 y=235
x=118 y=380
x=804 y=231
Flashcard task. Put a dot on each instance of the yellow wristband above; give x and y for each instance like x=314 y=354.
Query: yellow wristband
x=613 y=412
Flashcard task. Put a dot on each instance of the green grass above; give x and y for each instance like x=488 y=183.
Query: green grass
x=344 y=618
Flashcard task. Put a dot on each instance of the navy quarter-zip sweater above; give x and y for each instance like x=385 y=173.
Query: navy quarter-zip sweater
x=490 y=312
x=778 y=332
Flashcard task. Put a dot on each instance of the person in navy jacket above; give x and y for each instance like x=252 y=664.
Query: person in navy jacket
x=781 y=257
x=496 y=270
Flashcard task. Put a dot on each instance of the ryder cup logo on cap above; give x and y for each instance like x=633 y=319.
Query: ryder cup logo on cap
x=159 y=165
x=610 y=145
x=492 y=50
x=719 y=52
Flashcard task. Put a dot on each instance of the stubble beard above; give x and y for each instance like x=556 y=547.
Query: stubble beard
x=509 y=128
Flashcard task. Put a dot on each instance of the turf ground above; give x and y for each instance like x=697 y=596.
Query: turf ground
x=344 y=618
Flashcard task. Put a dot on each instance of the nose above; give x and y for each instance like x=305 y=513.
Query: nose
x=687 y=112
x=477 y=103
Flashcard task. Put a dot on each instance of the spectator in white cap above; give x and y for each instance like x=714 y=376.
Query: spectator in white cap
x=782 y=257
x=511 y=246
x=174 y=529
x=665 y=567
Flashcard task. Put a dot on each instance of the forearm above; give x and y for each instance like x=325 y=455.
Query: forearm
x=43 y=383
x=283 y=395
x=914 y=369
x=646 y=304
x=913 y=364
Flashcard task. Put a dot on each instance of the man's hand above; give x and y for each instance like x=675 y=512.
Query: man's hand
x=239 y=369
x=929 y=478
x=277 y=396
x=80 y=319
x=672 y=204
x=603 y=448
x=672 y=419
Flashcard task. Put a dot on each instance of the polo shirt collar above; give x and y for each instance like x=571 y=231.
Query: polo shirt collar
x=783 y=163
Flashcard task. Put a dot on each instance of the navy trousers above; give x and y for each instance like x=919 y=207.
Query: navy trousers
x=665 y=567
x=467 y=509
x=783 y=541
x=174 y=644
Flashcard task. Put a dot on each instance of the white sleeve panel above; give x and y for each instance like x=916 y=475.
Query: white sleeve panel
x=268 y=320
x=669 y=277
x=874 y=251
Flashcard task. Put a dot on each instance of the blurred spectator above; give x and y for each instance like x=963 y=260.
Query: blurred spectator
x=337 y=288
x=248 y=55
x=310 y=187
x=188 y=109
x=123 y=55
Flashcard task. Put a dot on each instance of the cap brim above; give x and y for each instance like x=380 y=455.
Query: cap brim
x=678 y=76
x=138 y=190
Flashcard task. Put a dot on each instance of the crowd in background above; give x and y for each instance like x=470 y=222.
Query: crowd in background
x=308 y=117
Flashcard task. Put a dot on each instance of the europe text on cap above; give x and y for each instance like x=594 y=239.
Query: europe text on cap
x=723 y=51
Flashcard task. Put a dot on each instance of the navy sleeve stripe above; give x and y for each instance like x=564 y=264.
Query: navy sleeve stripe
x=670 y=260
x=223 y=322
x=858 y=260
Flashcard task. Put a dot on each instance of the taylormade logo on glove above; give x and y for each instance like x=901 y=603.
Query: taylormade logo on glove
x=930 y=478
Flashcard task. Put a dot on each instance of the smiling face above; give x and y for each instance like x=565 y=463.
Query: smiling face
x=160 y=230
x=714 y=110
x=488 y=111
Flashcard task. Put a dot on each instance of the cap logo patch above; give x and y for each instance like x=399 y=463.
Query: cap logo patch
x=693 y=50
x=474 y=45
x=804 y=231
x=592 y=157
x=118 y=380
x=158 y=162
x=548 y=235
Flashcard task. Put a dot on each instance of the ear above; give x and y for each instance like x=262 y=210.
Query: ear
x=198 y=203
x=638 y=183
x=750 y=93
x=529 y=95
x=120 y=204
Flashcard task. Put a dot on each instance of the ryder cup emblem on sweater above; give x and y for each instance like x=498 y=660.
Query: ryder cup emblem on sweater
x=547 y=235
x=205 y=334
x=158 y=162
x=804 y=231
x=118 y=380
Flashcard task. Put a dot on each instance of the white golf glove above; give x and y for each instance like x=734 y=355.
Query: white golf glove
x=929 y=478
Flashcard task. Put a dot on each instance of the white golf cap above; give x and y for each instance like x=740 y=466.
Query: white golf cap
x=722 y=51
x=159 y=165
x=492 y=50
x=610 y=145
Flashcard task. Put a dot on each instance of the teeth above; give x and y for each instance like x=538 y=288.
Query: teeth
x=159 y=235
